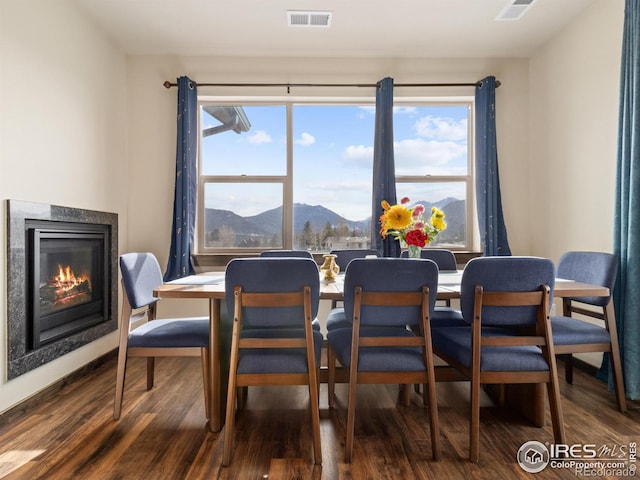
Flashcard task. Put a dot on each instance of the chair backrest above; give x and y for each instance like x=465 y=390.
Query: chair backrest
x=445 y=259
x=287 y=253
x=389 y=275
x=269 y=275
x=345 y=255
x=140 y=275
x=597 y=268
x=505 y=274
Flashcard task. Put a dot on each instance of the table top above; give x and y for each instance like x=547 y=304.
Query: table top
x=211 y=285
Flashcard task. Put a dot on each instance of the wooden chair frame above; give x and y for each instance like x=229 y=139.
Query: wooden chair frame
x=236 y=380
x=606 y=315
x=423 y=340
x=541 y=337
x=124 y=353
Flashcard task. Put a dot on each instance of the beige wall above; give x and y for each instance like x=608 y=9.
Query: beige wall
x=574 y=88
x=83 y=125
x=62 y=139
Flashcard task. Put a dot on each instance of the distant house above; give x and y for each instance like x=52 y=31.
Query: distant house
x=334 y=243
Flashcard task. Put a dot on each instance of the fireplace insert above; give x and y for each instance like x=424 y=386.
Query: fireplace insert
x=68 y=284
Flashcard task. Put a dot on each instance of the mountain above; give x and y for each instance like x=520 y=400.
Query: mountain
x=268 y=223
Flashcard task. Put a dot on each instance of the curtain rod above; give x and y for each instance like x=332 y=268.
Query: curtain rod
x=169 y=84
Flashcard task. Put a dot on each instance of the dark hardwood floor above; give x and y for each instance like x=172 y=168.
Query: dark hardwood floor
x=162 y=433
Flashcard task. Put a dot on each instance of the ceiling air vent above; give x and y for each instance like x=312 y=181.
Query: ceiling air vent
x=308 y=19
x=515 y=9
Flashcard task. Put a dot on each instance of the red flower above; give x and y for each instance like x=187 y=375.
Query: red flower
x=417 y=238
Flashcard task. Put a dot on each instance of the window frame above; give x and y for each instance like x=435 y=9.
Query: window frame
x=287 y=180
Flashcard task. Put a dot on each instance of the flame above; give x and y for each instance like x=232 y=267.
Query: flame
x=67 y=279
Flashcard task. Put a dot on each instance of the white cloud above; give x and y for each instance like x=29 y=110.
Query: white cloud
x=413 y=155
x=358 y=155
x=441 y=128
x=259 y=137
x=305 y=139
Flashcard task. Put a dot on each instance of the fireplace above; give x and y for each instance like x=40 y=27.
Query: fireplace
x=62 y=281
x=67 y=279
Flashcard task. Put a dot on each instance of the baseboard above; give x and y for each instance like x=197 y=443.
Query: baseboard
x=24 y=407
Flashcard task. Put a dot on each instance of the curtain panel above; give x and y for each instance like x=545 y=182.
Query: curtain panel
x=626 y=242
x=186 y=186
x=384 y=171
x=493 y=232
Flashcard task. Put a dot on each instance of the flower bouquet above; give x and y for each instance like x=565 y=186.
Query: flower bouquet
x=409 y=225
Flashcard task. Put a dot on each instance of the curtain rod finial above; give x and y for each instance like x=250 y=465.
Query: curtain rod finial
x=167 y=84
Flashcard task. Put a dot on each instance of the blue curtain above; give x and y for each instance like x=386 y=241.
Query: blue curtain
x=626 y=243
x=493 y=232
x=184 y=203
x=384 y=170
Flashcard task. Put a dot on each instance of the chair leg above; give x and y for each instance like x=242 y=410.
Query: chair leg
x=614 y=357
x=555 y=406
x=331 y=367
x=314 y=406
x=474 y=430
x=405 y=391
x=229 y=419
x=618 y=379
x=150 y=370
x=120 y=375
x=241 y=397
x=429 y=390
x=568 y=368
x=351 y=410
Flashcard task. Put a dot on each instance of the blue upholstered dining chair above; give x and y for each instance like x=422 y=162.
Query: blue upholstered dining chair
x=574 y=335
x=382 y=298
x=443 y=315
x=286 y=253
x=291 y=254
x=345 y=255
x=336 y=318
x=166 y=337
x=273 y=301
x=506 y=302
x=445 y=259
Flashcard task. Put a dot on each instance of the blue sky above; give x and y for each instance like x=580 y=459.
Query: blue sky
x=333 y=154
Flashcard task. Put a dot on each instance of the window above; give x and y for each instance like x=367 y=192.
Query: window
x=298 y=175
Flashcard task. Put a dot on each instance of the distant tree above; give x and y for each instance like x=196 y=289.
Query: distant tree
x=326 y=233
x=275 y=241
x=308 y=236
x=342 y=230
x=227 y=235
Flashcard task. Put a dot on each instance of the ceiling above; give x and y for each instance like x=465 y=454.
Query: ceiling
x=359 y=28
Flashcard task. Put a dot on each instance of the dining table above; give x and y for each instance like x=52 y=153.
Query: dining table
x=211 y=286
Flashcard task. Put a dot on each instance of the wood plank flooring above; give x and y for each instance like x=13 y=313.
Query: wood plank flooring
x=162 y=433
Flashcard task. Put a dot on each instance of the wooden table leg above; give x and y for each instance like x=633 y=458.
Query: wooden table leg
x=215 y=422
x=219 y=347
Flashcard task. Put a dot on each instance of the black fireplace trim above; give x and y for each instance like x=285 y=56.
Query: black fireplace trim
x=20 y=359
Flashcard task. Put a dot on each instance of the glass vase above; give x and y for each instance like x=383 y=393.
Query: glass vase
x=414 y=251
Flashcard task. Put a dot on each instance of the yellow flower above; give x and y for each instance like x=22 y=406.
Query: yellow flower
x=438 y=222
x=437 y=212
x=397 y=217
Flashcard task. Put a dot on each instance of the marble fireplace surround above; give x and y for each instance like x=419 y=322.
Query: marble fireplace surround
x=19 y=359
